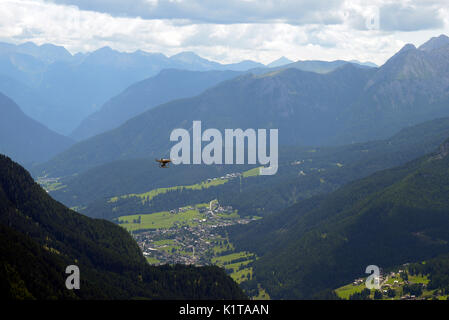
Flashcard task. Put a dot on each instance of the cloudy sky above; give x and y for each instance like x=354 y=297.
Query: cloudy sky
x=229 y=30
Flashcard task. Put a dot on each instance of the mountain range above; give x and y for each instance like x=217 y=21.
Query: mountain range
x=75 y=86
x=347 y=105
x=169 y=84
x=286 y=99
x=172 y=84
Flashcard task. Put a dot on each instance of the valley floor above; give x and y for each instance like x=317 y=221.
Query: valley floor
x=193 y=235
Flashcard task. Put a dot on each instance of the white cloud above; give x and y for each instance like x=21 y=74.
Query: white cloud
x=77 y=30
x=317 y=33
x=410 y=16
x=219 y=11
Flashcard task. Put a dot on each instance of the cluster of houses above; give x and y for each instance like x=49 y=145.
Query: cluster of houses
x=45 y=181
x=297 y=162
x=396 y=283
x=180 y=210
x=227 y=176
x=192 y=241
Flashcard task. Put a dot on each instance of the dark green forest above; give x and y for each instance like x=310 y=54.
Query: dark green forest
x=437 y=270
x=392 y=217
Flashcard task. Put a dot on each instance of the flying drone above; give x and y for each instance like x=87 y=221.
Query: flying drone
x=163 y=163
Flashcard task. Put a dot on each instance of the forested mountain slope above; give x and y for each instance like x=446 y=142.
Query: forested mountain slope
x=392 y=217
x=40 y=237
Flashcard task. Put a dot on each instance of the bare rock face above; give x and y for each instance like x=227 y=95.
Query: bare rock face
x=444 y=149
x=435 y=43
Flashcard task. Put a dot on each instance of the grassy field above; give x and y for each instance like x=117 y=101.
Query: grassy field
x=251 y=173
x=164 y=242
x=418 y=279
x=160 y=220
x=220 y=247
x=263 y=295
x=233 y=215
x=222 y=260
x=168 y=245
x=239 y=270
x=147 y=196
x=152 y=260
x=242 y=275
x=346 y=291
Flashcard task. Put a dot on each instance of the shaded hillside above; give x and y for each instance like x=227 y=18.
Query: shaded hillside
x=25 y=139
x=389 y=218
x=130 y=176
x=312 y=171
x=30 y=100
x=40 y=237
x=410 y=87
x=168 y=85
x=286 y=100
x=303 y=172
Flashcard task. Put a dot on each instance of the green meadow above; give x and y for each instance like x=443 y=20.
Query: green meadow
x=226 y=259
x=152 y=260
x=160 y=220
x=147 y=196
x=346 y=291
x=237 y=264
x=251 y=173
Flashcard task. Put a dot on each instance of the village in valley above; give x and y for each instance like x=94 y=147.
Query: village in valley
x=194 y=241
x=195 y=235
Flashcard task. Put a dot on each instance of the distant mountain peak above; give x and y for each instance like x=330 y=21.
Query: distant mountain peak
x=407 y=47
x=185 y=55
x=279 y=62
x=189 y=57
x=103 y=53
x=46 y=52
x=435 y=43
x=399 y=57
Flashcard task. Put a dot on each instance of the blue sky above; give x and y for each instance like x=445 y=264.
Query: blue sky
x=229 y=31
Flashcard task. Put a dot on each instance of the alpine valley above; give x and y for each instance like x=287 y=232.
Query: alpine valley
x=363 y=176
